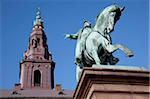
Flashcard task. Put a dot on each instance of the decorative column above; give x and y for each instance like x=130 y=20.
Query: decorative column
x=23 y=80
x=29 y=77
x=22 y=76
x=48 y=83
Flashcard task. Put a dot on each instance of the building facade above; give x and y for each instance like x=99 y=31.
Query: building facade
x=37 y=67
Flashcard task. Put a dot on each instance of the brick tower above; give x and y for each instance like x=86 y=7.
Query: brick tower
x=37 y=67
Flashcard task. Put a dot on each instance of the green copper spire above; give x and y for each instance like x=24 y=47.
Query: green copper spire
x=38 y=20
x=38 y=13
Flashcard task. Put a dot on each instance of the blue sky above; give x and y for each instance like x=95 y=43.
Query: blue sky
x=61 y=17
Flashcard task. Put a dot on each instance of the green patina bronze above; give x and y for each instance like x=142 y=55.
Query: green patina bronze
x=94 y=44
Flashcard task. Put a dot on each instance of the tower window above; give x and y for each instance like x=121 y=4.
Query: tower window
x=38 y=40
x=37 y=78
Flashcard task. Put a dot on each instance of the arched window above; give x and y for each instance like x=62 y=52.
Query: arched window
x=37 y=78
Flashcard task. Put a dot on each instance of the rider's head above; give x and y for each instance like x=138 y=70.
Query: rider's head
x=86 y=23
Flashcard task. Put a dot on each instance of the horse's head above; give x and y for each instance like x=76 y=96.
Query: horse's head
x=107 y=19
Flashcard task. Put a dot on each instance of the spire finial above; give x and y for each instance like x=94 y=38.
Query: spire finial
x=38 y=13
x=38 y=17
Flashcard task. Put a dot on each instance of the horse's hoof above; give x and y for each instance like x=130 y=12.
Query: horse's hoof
x=130 y=55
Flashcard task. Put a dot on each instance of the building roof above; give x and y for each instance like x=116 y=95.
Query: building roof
x=38 y=93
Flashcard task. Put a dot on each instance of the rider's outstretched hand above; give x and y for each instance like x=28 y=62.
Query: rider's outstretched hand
x=67 y=36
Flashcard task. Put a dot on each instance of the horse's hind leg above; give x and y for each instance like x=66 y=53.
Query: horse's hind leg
x=78 y=73
x=95 y=56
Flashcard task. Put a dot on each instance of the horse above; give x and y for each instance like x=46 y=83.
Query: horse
x=98 y=44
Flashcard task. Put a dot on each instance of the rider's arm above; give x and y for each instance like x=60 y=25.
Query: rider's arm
x=73 y=36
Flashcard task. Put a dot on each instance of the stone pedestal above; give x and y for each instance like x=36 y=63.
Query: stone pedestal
x=113 y=82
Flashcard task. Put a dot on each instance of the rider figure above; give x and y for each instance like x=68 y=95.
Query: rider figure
x=81 y=37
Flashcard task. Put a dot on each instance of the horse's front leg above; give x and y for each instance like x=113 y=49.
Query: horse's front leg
x=111 y=48
x=127 y=51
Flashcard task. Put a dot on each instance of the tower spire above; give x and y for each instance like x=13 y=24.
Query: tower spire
x=37 y=66
x=38 y=13
x=38 y=20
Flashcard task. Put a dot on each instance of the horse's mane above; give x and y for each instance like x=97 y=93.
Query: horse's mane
x=102 y=16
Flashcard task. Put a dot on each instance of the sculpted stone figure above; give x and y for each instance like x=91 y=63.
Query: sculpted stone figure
x=94 y=44
x=81 y=37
